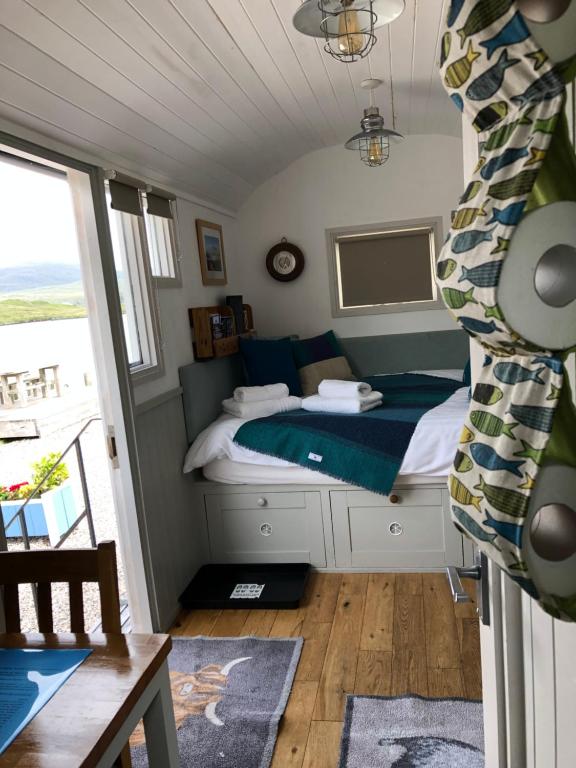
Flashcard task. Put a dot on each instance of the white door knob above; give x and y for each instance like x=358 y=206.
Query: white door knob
x=262 y=502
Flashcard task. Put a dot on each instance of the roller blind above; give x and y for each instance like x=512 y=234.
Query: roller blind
x=125 y=198
x=157 y=205
x=386 y=268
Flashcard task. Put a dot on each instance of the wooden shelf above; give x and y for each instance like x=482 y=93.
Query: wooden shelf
x=202 y=321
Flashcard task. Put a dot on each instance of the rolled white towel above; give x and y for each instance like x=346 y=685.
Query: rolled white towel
x=342 y=404
x=261 y=409
x=337 y=388
x=257 y=394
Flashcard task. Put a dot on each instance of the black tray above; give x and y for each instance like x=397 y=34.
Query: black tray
x=284 y=585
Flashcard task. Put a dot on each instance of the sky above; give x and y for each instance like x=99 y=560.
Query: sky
x=36 y=218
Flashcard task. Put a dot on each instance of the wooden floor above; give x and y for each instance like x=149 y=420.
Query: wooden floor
x=382 y=634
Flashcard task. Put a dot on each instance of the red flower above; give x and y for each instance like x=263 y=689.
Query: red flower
x=16 y=487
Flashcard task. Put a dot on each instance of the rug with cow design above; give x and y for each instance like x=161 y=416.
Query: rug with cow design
x=229 y=695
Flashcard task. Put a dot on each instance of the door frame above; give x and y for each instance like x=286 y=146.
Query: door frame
x=115 y=387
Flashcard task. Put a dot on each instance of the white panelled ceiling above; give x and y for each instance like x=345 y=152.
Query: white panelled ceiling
x=208 y=96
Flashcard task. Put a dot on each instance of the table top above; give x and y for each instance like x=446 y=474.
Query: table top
x=76 y=726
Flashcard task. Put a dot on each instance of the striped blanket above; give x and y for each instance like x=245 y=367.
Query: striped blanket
x=363 y=449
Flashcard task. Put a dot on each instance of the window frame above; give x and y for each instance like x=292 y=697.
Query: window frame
x=146 y=304
x=163 y=281
x=333 y=235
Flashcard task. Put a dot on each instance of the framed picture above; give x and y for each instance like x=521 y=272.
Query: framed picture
x=211 y=251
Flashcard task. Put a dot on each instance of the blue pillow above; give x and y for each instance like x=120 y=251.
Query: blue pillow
x=270 y=361
x=467 y=375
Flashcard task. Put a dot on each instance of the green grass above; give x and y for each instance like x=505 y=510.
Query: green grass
x=67 y=293
x=19 y=311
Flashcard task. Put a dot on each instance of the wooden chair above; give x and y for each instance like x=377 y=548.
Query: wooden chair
x=76 y=567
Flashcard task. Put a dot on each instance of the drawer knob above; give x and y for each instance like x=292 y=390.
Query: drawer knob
x=395 y=529
x=266 y=529
x=262 y=502
x=394 y=499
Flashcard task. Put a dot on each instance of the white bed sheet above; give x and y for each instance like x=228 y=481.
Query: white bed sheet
x=430 y=452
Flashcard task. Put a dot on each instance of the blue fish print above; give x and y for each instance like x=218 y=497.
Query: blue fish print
x=514 y=373
x=454 y=12
x=466 y=241
x=470 y=525
x=508 y=531
x=509 y=216
x=487 y=361
x=533 y=416
x=488 y=83
x=514 y=32
x=478 y=326
x=487 y=457
x=507 y=157
x=547 y=87
x=553 y=363
x=458 y=100
x=484 y=275
x=527 y=585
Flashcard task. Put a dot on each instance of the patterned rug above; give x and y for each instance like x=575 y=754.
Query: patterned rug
x=229 y=695
x=412 y=732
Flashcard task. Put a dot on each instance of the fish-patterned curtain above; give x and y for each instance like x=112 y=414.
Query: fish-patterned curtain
x=513 y=94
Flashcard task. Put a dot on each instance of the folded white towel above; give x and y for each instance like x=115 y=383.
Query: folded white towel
x=261 y=409
x=257 y=394
x=342 y=404
x=337 y=388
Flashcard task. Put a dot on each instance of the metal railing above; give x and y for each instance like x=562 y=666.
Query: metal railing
x=20 y=514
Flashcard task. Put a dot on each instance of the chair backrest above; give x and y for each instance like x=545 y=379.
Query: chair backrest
x=74 y=566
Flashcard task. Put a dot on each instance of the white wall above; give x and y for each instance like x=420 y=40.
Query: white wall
x=331 y=188
x=173 y=303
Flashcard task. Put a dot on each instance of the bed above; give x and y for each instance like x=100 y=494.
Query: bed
x=259 y=508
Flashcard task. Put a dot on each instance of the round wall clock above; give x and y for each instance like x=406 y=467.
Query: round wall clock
x=285 y=261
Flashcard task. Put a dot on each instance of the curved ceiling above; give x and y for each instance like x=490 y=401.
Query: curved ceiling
x=209 y=96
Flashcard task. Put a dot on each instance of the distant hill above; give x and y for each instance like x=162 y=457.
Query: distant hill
x=23 y=278
x=66 y=293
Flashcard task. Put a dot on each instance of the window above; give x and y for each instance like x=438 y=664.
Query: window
x=384 y=268
x=138 y=302
x=159 y=215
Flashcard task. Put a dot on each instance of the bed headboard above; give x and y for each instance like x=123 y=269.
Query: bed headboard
x=206 y=384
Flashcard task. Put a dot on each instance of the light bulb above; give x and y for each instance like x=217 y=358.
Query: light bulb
x=350 y=35
x=375 y=152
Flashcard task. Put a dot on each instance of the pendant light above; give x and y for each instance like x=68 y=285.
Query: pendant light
x=347 y=26
x=373 y=141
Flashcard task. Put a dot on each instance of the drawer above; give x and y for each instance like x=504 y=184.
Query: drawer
x=405 y=497
x=295 y=500
x=288 y=528
x=367 y=535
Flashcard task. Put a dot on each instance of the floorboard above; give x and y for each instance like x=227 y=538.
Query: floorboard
x=379 y=634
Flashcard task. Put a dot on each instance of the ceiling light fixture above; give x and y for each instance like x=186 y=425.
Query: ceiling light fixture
x=347 y=26
x=373 y=141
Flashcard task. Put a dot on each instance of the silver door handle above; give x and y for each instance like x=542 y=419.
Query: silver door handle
x=454 y=575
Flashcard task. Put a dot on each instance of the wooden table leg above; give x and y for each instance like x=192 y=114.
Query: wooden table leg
x=160 y=726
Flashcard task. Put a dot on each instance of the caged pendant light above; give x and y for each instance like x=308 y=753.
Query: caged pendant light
x=373 y=141
x=347 y=26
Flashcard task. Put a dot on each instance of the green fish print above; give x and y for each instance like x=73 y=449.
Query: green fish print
x=471 y=191
x=513 y=373
x=445 y=268
x=529 y=452
x=462 y=463
x=519 y=185
x=504 y=500
x=456 y=299
x=493 y=311
x=462 y=495
x=458 y=72
x=503 y=245
x=490 y=116
x=555 y=393
x=487 y=394
x=546 y=124
x=467 y=435
x=533 y=416
x=491 y=425
x=483 y=15
x=502 y=135
x=470 y=525
x=466 y=216
x=566 y=605
x=445 y=48
x=539 y=58
x=528 y=483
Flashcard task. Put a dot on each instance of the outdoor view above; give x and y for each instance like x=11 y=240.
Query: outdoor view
x=47 y=378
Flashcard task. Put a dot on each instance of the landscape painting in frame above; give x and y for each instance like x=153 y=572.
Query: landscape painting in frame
x=211 y=251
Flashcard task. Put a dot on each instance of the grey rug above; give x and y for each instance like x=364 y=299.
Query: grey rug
x=412 y=732
x=229 y=695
